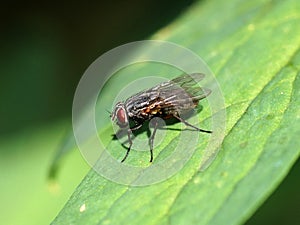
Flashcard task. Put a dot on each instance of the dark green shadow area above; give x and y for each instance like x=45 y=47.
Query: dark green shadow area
x=283 y=205
x=46 y=48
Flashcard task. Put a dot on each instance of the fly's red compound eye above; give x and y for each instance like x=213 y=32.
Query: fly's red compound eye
x=121 y=116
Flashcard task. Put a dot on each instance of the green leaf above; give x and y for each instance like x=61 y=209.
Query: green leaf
x=253 y=48
x=24 y=163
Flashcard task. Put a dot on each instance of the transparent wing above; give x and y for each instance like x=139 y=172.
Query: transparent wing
x=175 y=96
x=183 y=88
x=181 y=93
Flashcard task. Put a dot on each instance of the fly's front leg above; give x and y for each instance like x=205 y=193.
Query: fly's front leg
x=129 y=131
x=190 y=125
x=130 y=144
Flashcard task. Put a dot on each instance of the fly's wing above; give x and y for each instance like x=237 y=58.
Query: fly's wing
x=172 y=97
x=180 y=94
x=189 y=84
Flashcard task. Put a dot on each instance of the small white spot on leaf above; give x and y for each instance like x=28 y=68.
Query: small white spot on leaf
x=197 y=180
x=251 y=27
x=82 y=208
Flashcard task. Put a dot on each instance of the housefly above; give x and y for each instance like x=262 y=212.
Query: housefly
x=166 y=100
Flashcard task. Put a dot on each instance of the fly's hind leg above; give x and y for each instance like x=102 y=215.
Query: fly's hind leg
x=190 y=125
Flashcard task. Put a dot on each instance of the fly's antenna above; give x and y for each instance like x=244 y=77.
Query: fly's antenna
x=108 y=112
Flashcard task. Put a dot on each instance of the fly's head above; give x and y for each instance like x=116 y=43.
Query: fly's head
x=120 y=115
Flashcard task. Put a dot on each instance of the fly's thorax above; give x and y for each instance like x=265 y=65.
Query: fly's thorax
x=136 y=105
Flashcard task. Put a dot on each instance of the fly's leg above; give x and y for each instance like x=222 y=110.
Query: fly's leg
x=190 y=125
x=130 y=144
x=129 y=140
x=151 y=139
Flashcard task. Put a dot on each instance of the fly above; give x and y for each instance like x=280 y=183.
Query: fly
x=166 y=100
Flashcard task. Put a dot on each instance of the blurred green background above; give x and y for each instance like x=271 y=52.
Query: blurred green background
x=44 y=51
